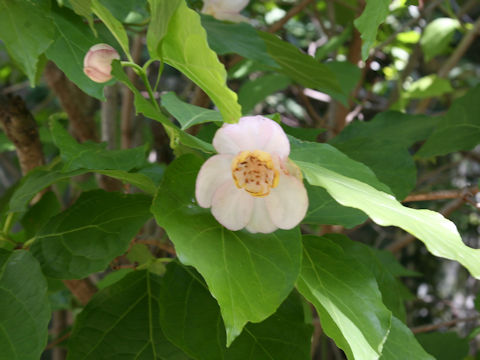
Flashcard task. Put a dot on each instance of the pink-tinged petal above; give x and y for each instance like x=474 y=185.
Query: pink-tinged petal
x=260 y=221
x=252 y=133
x=231 y=16
x=232 y=207
x=234 y=5
x=287 y=204
x=214 y=172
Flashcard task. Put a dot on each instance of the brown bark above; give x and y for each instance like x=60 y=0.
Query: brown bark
x=21 y=128
x=83 y=289
x=79 y=107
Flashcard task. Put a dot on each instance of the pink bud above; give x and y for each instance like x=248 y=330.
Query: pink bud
x=97 y=63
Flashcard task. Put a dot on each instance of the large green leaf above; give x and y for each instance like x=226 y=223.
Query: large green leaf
x=439 y=234
x=459 y=129
x=346 y=297
x=240 y=38
x=27 y=31
x=38 y=215
x=191 y=319
x=249 y=274
x=444 y=346
x=92 y=155
x=143 y=106
x=373 y=15
x=391 y=289
x=393 y=166
x=71 y=42
x=301 y=67
x=35 y=181
x=186 y=114
x=87 y=236
x=122 y=322
x=161 y=12
x=25 y=310
x=254 y=91
x=401 y=344
x=393 y=126
x=185 y=47
x=42 y=177
x=115 y=26
x=84 y=8
x=395 y=133
x=329 y=157
x=323 y=209
x=437 y=36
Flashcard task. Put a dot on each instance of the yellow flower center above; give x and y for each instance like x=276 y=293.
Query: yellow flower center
x=255 y=172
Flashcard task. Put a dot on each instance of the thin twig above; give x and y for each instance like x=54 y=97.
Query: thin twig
x=291 y=13
x=443 y=194
x=58 y=341
x=432 y=327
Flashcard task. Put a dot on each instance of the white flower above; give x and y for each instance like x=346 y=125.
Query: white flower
x=251 y=183
x=97 y=63
x=225 y=9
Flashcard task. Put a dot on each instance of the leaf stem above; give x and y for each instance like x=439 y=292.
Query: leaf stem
x=8 y=223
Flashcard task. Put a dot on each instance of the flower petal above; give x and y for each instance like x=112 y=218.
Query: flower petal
x=260 y=221
x=232 y=207
x=252 y=133
x=287 y=204
x=214 y=172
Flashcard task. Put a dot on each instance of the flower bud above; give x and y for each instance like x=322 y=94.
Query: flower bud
x=97 y=63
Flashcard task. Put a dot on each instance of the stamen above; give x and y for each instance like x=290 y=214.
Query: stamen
x=255 y=172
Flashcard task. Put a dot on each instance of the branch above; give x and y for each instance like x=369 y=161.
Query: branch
x=432 y=327
x=83 y=289
x=79 y=106
x=443 y=194
x=20 y=127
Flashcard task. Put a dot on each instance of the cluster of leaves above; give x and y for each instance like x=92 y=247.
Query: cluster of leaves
x=230 y=295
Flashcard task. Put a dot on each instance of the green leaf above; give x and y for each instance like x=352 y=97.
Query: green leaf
x=25 y=308
x=348 y=76
x=71 y=42
x=427 y=86
x=401 y=344
x=127 y=11
x=393 y=166
x=84 y=8
x=458 y=130
x=346 y=297
x=437 y=36
x=87 y=236
x=373 y=15
x=323 y=209
x=240 y=38
x=395 y=133
x=255 y=91
x=37 y=180
x=47 y=207
x=301 y=67
x=161 y=11
x=122 y=322
x=249 y=274
x=142 y=181
x=330 y=158
x=390 y=288
x=115 y=26
x=186 y=114
x=191 y=319
x=444 y=346
x=92 y=155
x=439 y=234
x=393 y=126
x=185 y=48
x=143 y=106
x=27 y=31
